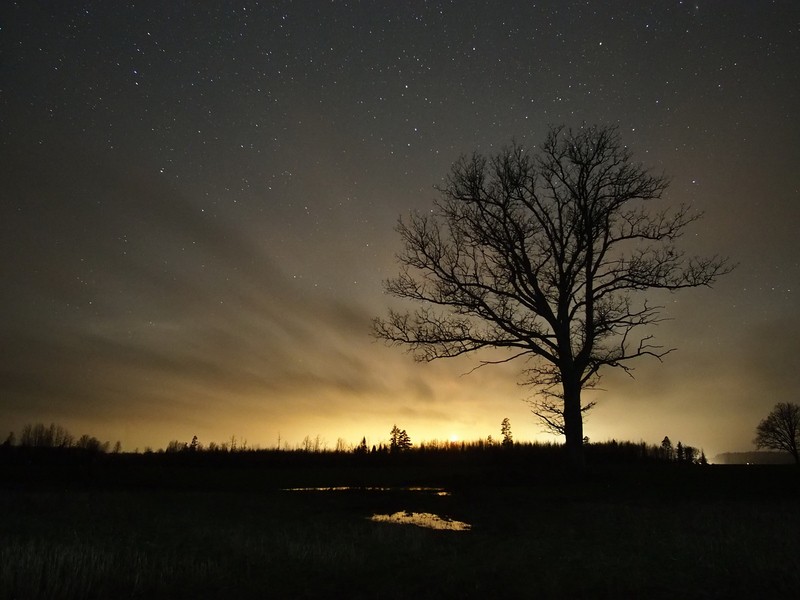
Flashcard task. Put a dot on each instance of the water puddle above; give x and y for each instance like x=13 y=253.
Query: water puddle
x=436 y=491
x=427 y=520
x=403 y=517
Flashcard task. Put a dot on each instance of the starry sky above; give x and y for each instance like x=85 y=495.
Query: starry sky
x=197 y=203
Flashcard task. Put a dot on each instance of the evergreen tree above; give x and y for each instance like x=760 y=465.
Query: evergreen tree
x=505 y=431
x=403 y=441
x=399 y=440
x=667 y=451
x=394 y=436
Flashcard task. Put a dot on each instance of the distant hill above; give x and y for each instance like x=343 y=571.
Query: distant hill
x=753 y=458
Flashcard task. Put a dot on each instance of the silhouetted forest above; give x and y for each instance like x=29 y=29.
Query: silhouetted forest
x=42 y=444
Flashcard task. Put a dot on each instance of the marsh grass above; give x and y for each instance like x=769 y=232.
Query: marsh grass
x=620 y=535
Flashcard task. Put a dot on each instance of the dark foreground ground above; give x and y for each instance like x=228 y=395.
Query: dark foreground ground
x=200 y=530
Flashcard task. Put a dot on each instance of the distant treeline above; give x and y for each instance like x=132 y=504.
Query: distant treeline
x=55 y=439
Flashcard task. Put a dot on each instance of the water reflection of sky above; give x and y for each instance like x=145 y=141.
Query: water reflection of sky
x=346 y=488
x=428 y=520
x=403 y=517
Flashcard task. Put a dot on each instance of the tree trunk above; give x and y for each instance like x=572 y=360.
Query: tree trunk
x=573 y=422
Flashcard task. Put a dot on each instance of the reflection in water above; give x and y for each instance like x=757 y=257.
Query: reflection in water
x=346 y=488
x=420 y=519
x=428 y=520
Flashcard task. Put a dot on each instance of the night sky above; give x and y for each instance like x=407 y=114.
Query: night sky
x=198 y=201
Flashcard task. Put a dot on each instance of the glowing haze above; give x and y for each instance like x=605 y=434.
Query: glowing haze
x=198 y=206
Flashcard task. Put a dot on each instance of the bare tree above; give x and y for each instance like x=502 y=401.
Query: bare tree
x=40 y=436
x=541 y=254
x=780 y=430
x=91 y=444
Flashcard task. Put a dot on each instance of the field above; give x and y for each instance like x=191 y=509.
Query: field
x=132 y=527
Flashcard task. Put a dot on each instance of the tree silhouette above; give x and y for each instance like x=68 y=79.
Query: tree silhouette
x=689 y=454
x=666 y=448
x=399 y=440
x=176 y=446
x=780 y=430
x=541 y=255
x=40 y=436
x=680 y=455
x=91 y=444
x=505 y=431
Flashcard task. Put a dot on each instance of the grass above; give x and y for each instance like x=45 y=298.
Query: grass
x=689 y=533
x=124 y=544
